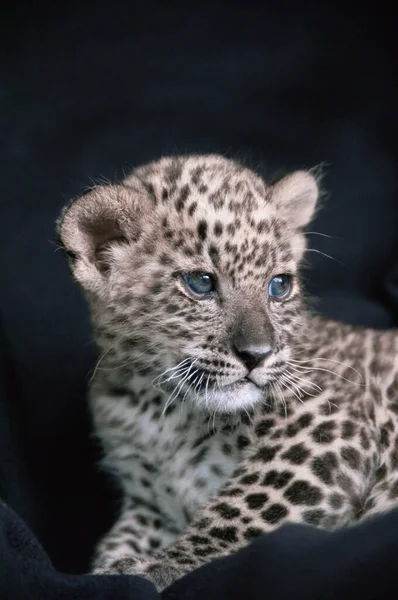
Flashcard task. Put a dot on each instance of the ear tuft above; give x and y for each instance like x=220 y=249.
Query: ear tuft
x=296 y=196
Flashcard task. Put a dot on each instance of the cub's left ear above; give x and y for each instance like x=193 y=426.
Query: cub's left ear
x=295 y=197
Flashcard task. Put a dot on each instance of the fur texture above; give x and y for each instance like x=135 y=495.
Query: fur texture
x=203 y=440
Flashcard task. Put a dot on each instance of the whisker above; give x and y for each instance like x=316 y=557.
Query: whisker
x=281 y=397
x=332 y=372
x=306 y=381
x=98 y=364
x=332 y=237
x=176 y=391
x=324 y=254
x=289 y=386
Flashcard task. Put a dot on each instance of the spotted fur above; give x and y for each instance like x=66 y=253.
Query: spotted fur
x=209 y=452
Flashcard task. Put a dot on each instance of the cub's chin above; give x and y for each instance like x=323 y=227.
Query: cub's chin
x=231 y=398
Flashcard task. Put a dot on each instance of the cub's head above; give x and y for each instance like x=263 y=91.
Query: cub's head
x=190 y=269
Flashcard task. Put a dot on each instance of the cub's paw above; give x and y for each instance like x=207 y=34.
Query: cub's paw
x=160 y=572
x=122 y=565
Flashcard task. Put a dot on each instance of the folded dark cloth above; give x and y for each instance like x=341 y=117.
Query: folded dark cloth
x=27 y=574
x=296 y=561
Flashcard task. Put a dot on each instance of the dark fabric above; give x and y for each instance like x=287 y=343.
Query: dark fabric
x=27 y=574
x=303 y=563
x=296 y=561
x=91 y=89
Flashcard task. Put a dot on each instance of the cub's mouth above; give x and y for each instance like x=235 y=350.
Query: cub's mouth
x=210 y=380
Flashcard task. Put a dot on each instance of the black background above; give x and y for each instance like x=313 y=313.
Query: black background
x=90 y=90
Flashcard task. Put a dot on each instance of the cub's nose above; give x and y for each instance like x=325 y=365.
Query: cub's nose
x=252 y=357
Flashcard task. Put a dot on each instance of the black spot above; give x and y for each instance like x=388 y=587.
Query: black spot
x=173 y=172
x=203 y=523
x=351 y=456
x=393 y=491
x=297 y=454
x=301 y=423
x=202 y=439
x=227 y=534
x=232 y=492
x=116 y=390
x=252 y=532
x=154 y=543
x=227 y=449
x=277 y=479
x=301 y=492
x=263 y=427
x=345 y=483
x=381 y=472
x=255 y=501
x=202 y=230
x=165 y=259
x=324 y=432
x=157 y=400
x=199 y=457
x=262 y=226
x=313 y=517
x=274 y=513
x=266 y=453
x=192 y=208
x=305 y=420
x=336 y=500
x=394 y=455
x=196 y=175
x=242 y=441
x=348 y=429
x=204 y=551
x=214 y=256
x=364 y=439
x=384 y=437
x=199 y=539
x=246 y=520
x=200 y=483
x=182 y=561
x=174 y=553
x=217 y=470
x=217 y=229
x=133 y=545
x=141 y=519
x=323 y=467
x=245 y=418
x=249 y=479
x=182 y=198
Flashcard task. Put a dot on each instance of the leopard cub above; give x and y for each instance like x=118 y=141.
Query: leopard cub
x=224 y=408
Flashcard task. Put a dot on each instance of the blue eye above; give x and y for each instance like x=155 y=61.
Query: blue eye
x=279 y=286
x=199 y=283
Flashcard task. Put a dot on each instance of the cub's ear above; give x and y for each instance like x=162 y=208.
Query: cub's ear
x=95 y=222
x=295 y=197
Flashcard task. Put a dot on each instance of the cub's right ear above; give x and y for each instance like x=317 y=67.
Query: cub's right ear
x=93 y=223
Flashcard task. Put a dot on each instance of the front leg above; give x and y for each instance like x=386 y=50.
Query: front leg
x=139 y=533
x=315 y=477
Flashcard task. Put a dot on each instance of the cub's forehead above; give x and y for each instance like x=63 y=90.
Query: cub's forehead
x=209 y=188
x=211 y=210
